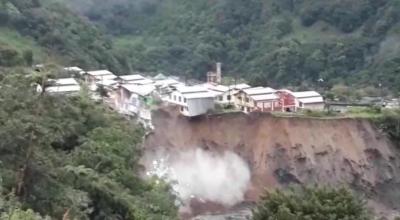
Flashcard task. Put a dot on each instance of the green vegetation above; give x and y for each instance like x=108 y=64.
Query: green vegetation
x=280 y=43
x=66 y=157
x=311 y=203
x=389 y=122
x=268 y=42
x=46 y=31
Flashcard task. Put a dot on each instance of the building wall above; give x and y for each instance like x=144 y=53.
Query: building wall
x=177 y=98
x=224 y=99
x=244 y=103
x=314 y=106
x=197 y=107
x=91 y=82
x=287 y=102
x=268 y=106
x=128 y=103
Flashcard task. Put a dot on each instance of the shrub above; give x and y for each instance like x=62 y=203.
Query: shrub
x=316 y=203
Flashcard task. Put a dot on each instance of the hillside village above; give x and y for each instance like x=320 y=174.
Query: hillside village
x=138 y=94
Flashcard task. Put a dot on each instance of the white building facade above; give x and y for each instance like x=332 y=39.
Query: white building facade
x=192 y=100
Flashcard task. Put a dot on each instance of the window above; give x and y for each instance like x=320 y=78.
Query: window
x=248 y=109
x=229 y=97
x=180 y=99
x=247 y=100
x=220 y=98
x=184 y=100
x=182 y=109
x=174 y=97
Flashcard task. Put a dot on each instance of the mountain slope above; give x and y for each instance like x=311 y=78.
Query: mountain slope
x=279 y=43
x=55 y=33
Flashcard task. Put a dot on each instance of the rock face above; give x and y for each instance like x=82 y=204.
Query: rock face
x=282 y=151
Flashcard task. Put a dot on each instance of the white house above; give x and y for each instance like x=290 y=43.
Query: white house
x=166 y=87
x=131 y=98
x=94 y=77
x=193 y=100
x=308 y=100
x=257 y=99
x=223 y=94
x=65 y=86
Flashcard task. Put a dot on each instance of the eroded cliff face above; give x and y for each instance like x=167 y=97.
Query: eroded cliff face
x=282 y=151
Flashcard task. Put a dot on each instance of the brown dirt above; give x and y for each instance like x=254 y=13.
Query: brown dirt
x=282 y=151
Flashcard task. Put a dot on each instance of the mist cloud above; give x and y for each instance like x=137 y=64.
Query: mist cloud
x=219 y=178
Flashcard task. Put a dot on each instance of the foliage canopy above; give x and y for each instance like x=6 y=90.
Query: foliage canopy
x=311 y=203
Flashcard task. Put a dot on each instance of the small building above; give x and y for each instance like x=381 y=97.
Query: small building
x=192 y=100
x=98 y=76
x=223 y=94
x=287 y=100
x=266 y=103
x=215 y=76
x=166 y=87
x=64 y=86
x=311 y=100
x=256 y=99
x=131 y=98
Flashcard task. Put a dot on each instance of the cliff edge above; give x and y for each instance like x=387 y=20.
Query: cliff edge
x=282 y=151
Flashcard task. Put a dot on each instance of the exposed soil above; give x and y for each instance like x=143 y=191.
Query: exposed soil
x=282 y=151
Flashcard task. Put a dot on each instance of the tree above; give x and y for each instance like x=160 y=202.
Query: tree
x=311 y=203
x=67 y=157
x=28 y=57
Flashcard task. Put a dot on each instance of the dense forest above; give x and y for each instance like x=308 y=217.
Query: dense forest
x=341 y=44
x=268 y=42
x=35 y=31
x=69 y=158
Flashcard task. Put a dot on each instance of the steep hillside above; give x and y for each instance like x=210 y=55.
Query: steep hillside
x=274 y=42
x=283 y=151
x=36 y=31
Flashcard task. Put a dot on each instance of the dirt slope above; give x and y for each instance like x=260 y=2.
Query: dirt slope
x=282 y=151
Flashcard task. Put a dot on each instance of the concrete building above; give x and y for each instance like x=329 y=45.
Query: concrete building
x=94 y=77
x=131 y=98
x=223 y=94
x=65 y=86
x=266 y=103
x=192 y=100
x=287 y=100
x=166 y=86
x=256 y=99
x=311 y=100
